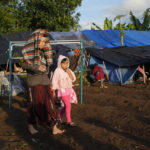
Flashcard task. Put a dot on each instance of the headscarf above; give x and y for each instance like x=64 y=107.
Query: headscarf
x=31 y=50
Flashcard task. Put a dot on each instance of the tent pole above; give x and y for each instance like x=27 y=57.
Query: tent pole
x=120 y=71
x=144 y=75
x=7 y=66
x=106 y=70
x=81 y=71
x=10 y=74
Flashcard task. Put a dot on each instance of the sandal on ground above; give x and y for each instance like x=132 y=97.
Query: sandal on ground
x=71 y=124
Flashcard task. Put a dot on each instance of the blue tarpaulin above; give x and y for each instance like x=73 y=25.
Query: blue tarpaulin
x=111 y=38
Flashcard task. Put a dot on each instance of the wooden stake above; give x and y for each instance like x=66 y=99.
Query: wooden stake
x=7 y=65
x=106 y=71
x=120 y=71
x=144 y=75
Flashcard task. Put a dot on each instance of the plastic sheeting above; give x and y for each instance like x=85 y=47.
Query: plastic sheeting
x=17 y=87
x=121 y=62
x=128 y=58
x=123 y=56
x=114 y=71
x=4 y=42
x=72 y=36
x=111 y=38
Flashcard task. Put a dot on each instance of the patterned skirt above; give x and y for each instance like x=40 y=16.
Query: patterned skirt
x=41 y=105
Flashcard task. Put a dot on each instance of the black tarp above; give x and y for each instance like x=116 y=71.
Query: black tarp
x=123 y=56
x=4 y=44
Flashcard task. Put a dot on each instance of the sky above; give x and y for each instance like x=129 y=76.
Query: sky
x=97 y=10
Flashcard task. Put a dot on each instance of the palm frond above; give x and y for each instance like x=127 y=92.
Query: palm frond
x=136 y=22
x=98 y=27
x=146 y=19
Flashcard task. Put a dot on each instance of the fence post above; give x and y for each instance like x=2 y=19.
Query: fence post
x=81 y=71
x=10 y=74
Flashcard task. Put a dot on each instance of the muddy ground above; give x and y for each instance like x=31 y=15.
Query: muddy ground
x=116 y=118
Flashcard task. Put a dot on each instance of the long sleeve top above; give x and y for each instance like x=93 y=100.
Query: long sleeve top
x=36 y=77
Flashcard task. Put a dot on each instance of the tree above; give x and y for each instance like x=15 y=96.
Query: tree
x=7 y=17
x=145 y=24
x=120 y=27
x=95 y=26
x=53 y=15
x=108 y=25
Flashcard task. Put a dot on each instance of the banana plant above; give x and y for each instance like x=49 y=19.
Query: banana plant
x=120 y=28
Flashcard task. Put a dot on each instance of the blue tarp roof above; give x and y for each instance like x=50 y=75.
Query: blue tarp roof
x=111 y=38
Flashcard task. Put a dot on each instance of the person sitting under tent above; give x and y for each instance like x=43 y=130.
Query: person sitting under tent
x=98 y=75
x=140 y=74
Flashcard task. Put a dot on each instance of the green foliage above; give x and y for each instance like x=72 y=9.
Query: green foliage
x=120 y=27
x=7 y=18
x=96 y=27
x=28 y=15
x=108 y=25
x=145 y=24
x=135 y=23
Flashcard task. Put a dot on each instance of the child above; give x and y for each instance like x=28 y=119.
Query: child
x=62 y=81
x=99 y=75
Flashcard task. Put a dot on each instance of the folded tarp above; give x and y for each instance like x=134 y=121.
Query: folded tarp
x=123 y=56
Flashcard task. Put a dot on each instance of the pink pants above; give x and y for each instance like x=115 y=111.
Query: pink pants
x=66 y=108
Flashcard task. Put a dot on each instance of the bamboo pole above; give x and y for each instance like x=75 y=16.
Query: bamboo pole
x=7 y=66
x=144 y=78
x=106 y=71
x=81 y=71
x=120 y=71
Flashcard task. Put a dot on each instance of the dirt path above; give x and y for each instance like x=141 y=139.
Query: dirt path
x=117 y=118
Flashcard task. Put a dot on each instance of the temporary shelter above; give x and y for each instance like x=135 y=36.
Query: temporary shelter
x=119 y=62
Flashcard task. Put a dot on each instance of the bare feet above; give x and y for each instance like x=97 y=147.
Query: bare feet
x=31 y=129
x=57 y=131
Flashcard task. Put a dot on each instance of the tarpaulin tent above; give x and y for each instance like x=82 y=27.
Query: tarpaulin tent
x=120 y=59
x=125 y=58
x=92 y=38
